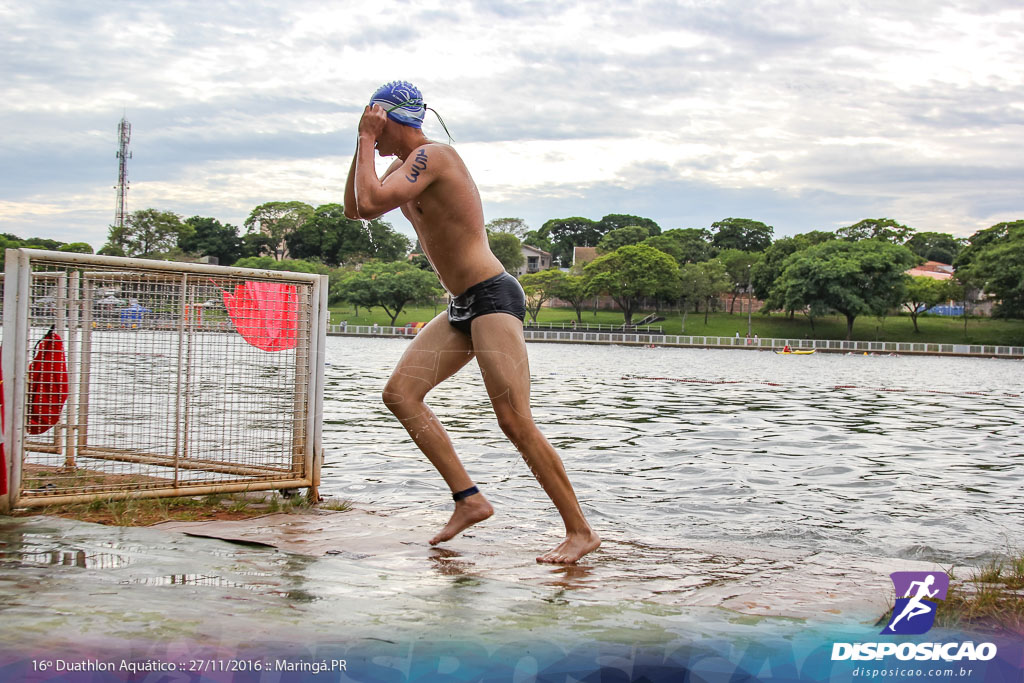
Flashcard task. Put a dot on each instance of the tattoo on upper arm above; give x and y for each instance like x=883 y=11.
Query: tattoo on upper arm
x=418 y=165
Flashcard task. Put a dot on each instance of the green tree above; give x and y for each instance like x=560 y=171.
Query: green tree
x=14 y=242
x=76 y=248
x=689 y=245
x=256 y=244
x=277 y=220
x=851 y=278
x=667 y=245
x=701 y=283
x=515 y=226
x=341 y=289
x=328 y=236
x=574 y=289
x=982 y=240
x=209 y=237
x=9 y=241
x=632 y=272
x=147 y=234
x=996 y=263
x=876 y=229
x=539 y=239
x=921 y=293
x=539 y=288
x=691 y=289
x=620 y=237
x=768 y=270
x=388 y=244
x=391 y=286
x=616 y=221
x=957 y=290
x=741 y=233
x=566 y=233
x=290 y=265
x=507 y=248
x=739 y=265
x=935 y=246
x=109 y=249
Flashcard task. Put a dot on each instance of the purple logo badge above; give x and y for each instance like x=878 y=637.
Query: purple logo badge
x=917 y=596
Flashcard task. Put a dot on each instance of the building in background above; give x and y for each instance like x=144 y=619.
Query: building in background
x=932 y=269
x=534 y=260
x=583 y=255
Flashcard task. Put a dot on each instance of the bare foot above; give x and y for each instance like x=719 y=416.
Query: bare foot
x=468 y=512
x=572 y=548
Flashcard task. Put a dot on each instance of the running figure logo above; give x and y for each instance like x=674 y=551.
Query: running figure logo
x=917 y=596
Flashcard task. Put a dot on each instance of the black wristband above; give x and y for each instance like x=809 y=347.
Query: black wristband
x=465 y=494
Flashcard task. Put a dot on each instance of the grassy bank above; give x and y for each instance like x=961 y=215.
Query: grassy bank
x=900 y=328
x=990 y=599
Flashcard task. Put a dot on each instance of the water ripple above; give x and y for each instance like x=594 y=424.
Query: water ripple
x=914 y=457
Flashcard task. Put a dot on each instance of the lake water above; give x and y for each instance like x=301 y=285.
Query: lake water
x=911 y=457
x=781 y=483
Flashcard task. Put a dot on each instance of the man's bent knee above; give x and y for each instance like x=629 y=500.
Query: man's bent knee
x=394 y=397
x=518 y=428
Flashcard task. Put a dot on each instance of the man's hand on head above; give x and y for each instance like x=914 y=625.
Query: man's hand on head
x=372 y=122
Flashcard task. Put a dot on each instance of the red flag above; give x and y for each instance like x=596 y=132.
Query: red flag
x=266 y=314
x=47 y=384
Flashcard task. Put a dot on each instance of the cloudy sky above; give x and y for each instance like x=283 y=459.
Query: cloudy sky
x=805 y=115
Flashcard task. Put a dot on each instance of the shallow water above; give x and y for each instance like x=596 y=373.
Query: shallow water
x=702 y=469
x=912 y=457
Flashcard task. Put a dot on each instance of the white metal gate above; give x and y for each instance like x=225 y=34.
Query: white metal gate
x=136 y=378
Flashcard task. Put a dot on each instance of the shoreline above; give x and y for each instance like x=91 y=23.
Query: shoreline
x=730 y=343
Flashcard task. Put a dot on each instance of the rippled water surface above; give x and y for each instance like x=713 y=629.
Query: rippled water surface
x=739 y=494
x=913 y=457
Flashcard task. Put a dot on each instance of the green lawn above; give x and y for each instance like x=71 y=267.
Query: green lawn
x=935 y=329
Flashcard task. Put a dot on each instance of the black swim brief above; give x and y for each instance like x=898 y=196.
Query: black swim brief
x=499 y=294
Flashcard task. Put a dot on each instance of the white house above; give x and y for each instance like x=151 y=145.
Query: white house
x=535 y=260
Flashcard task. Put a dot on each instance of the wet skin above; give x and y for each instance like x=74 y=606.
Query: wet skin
x=435 y=191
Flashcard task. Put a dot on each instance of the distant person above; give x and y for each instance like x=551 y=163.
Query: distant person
x=433 y=188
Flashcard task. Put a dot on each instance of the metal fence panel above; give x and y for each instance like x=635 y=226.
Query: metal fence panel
x=130 y=378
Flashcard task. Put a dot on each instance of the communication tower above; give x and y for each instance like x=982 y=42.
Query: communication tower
x=124 y=136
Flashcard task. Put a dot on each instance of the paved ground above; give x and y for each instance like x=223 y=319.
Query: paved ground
x=757 y=581
x=364 y=586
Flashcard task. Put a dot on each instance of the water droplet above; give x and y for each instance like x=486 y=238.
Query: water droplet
x=369 y=234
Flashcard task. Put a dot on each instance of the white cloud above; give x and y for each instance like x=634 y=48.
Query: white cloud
x=911 y=109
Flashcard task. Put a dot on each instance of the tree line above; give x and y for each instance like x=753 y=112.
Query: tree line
x=279 y=230
x=853 y=271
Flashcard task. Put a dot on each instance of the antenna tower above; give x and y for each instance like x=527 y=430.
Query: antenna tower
x=124 y=136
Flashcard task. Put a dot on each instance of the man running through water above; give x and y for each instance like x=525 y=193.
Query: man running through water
x=432 y=186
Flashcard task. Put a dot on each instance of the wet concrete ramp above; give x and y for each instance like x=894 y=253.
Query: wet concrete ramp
x=757 y=581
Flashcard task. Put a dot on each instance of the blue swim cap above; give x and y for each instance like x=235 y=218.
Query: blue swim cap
x=402 y=101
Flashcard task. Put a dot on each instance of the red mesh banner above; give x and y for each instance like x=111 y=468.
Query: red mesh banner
x=266 y=314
